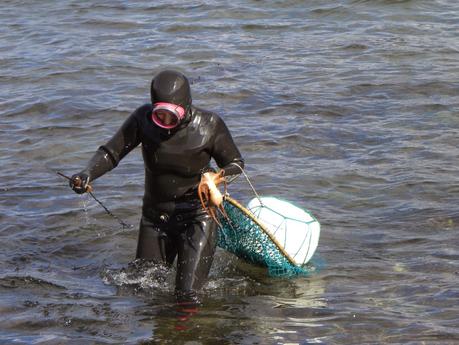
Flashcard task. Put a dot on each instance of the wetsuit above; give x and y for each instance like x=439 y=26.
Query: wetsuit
x=173 y=222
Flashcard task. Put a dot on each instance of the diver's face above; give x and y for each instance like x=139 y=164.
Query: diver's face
x=166 y=117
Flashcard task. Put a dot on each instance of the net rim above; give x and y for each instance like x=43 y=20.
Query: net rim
x=249 y=214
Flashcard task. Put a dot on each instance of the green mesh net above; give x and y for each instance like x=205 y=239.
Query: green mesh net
x=242 y=235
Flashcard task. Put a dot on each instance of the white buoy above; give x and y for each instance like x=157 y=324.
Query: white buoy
x=296 y=230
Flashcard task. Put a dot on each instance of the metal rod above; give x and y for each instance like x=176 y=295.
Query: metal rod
x=89 y=190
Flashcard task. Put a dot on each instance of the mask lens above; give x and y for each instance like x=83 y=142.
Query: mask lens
x=166 y=118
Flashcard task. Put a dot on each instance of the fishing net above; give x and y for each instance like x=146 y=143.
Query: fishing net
x=267 y=235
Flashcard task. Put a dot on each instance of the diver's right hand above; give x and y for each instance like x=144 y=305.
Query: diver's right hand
x=80 y=183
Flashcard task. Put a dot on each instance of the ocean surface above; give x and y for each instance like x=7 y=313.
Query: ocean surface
x=349 y=109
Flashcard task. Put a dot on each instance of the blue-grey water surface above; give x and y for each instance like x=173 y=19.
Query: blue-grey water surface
x=347 y=108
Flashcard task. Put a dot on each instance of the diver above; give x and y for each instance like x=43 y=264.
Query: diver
x=178 y=142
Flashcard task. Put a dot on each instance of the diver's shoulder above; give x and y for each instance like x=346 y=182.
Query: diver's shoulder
x=142 y=113
x=146 y=108
x=206 y=115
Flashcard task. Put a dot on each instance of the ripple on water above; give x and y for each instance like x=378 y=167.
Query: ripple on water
x=348 y=109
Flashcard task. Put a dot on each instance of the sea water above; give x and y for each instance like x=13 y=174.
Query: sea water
x=346 y=108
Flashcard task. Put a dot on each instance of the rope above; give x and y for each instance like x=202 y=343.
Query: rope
x=248 y=181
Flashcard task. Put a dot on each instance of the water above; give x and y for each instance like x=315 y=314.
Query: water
x=346 y=108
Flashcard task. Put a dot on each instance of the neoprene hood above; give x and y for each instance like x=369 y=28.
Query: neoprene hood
x=171 y=87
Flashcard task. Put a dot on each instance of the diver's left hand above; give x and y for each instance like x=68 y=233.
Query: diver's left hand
x=80 y=183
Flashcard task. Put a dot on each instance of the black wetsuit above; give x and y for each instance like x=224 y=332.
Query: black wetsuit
x=173 y=222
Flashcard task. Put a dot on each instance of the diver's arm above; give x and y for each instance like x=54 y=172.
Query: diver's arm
x=225 y=151
x=234 y=168
x=109 y=155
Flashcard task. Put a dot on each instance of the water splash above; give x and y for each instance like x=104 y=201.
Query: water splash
x=84 y=204
x=141 y=276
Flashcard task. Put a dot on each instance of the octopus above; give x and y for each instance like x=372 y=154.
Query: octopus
x=209 y=194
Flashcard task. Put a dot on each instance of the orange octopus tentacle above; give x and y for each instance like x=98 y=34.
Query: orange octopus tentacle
x=209 y=195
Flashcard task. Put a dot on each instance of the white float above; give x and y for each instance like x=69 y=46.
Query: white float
x=295 y=230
